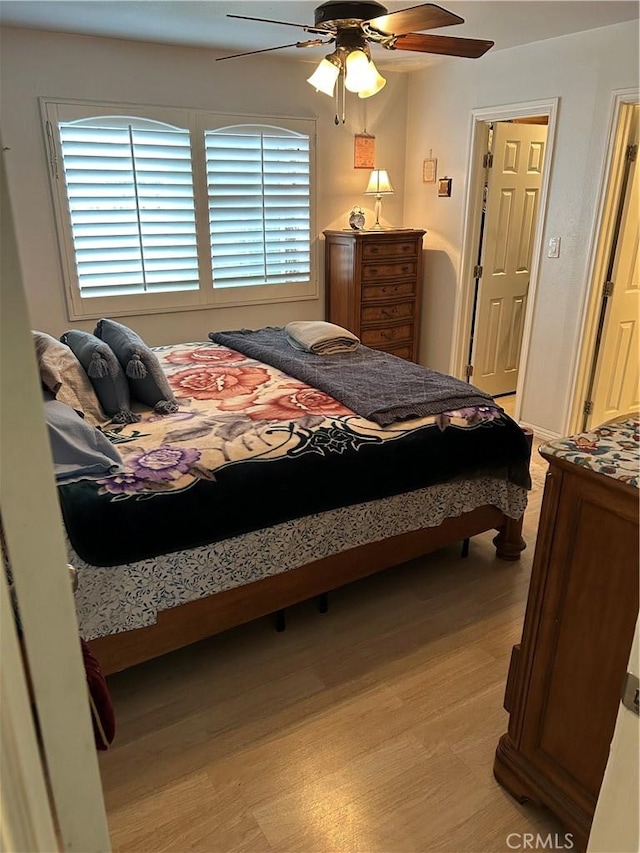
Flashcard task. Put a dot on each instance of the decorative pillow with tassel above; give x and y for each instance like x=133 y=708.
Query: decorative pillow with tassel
x=147 y=381
x=63 y=375
x=105 y=374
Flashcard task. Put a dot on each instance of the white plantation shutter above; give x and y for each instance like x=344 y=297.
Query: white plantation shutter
x=258 y=181
x=131 y=203
x=164 y=209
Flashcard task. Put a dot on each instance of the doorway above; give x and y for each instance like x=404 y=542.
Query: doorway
x=607 y=372
x=513 y=166
x=505 y=214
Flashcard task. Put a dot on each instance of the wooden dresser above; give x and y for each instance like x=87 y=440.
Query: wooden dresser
x=373 y=282
x=566 y=676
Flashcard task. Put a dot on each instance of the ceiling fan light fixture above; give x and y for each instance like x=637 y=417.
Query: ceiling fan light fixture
x=358 y=72
x=377 y=85
x=324 y=77
x=352 y=25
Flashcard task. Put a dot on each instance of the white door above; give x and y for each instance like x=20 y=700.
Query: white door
x=616 y=389
x=513 y=195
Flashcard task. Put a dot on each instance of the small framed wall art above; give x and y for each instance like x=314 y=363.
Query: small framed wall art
x=444 y=187
x=364 y=151
x=429 y=168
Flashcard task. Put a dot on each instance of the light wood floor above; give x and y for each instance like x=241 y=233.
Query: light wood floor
x=369 y=728
x=508 y=403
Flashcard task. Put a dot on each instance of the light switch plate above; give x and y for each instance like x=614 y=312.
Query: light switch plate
x=553 y=247
x=631 y=693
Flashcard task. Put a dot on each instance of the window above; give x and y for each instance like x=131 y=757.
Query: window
x=131 y=205
x=258 y=186
x=164 y=210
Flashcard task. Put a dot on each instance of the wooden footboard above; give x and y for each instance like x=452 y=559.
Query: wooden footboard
x=205 y=617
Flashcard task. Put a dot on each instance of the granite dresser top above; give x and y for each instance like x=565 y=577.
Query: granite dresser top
x=612 y=449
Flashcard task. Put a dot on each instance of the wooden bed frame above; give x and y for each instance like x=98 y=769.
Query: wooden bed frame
x=205 y=617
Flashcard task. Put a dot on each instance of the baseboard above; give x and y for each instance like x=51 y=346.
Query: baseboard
x=539 y=432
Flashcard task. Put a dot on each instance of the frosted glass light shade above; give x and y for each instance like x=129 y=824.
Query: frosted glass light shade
x=324 y=77
x=359 y=74
x=379 y=183
x=378 y=83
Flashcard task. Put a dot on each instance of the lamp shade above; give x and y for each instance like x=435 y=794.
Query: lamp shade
x=324 y=77
x=359 y=73
x=379 y=183
x=378 y=83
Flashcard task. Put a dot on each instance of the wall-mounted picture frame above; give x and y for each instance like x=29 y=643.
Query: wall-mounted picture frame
x=444 y=187
x=364 y=151
x=429 y=169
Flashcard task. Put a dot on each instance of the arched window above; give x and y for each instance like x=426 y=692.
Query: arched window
x=258 y=181
x=131 y=205
x=162 y=209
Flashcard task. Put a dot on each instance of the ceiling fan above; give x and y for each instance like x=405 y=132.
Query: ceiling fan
x=352 y=26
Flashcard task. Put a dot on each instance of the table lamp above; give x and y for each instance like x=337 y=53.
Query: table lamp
x=379 y=185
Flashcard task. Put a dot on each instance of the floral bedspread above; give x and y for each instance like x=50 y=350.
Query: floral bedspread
x=612 y=449
x=251 y=447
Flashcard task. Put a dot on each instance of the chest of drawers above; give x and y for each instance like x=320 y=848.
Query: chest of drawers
x=565 y=678
x=373 y=282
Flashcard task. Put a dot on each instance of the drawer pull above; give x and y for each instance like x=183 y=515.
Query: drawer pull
x=387 y=334
x=390 y=290
x=389 y=313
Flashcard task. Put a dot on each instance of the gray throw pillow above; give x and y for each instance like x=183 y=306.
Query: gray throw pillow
x=147 y=381
x=105 y=374
x=79 y=450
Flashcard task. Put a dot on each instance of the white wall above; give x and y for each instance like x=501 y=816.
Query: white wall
x=581 y=70
x=616 y=821
x=35 y=63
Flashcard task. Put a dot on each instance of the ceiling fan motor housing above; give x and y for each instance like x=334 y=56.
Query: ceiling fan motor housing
x=346 y=12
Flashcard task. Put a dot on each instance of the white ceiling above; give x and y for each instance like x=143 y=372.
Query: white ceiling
x=204 y=23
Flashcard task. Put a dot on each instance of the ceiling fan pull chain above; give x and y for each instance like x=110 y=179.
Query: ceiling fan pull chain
x=344 y=96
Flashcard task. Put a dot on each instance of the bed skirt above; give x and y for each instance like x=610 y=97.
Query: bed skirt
x=121 y=598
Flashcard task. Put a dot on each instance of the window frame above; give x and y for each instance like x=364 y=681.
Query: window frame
x=207 y=295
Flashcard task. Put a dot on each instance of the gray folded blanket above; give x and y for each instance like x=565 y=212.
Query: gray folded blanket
x=380 y=387
x=320 y=337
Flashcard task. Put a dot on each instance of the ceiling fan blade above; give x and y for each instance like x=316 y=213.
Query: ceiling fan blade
x=425 y=17
x=282 y=23
x=311 y=43
x=445 y=45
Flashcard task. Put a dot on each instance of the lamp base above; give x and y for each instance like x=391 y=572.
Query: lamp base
x=378 y=209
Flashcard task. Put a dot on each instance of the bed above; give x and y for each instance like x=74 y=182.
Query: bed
x=262 y=491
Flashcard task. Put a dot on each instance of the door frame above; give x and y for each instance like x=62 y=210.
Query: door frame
x=35 y=546
x=600 y=246
x=478 y=136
